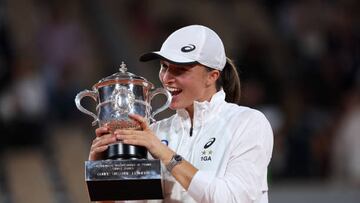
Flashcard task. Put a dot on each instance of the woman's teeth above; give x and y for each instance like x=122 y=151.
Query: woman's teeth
x=173 y=91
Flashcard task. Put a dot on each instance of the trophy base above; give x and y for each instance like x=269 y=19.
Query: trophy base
x=123 y=179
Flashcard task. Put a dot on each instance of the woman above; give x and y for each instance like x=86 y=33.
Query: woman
x=213 y=150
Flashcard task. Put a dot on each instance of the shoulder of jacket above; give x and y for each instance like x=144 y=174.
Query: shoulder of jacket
x=244 y=112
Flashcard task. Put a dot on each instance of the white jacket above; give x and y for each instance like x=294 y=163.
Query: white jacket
x=231 y=146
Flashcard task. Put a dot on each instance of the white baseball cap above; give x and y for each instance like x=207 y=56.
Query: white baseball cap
x=192 y=44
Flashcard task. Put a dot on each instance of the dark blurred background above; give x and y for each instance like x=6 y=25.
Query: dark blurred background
x=299 y=63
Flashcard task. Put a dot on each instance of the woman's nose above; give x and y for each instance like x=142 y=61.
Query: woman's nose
x=165 y=76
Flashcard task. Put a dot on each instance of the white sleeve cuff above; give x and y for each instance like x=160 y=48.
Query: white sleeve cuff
x=199 y=184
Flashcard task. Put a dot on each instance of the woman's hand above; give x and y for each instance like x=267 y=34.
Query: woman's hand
x=101 y=143
x=146 y=138
x=183 y=172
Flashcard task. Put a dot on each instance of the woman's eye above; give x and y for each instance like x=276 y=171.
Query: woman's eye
x=175 y=71
x=179 y=71
x=163 y=67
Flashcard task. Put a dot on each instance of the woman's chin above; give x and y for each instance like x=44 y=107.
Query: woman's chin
x=174 y=105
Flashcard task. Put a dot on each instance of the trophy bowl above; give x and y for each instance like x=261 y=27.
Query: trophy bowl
x=117 y=96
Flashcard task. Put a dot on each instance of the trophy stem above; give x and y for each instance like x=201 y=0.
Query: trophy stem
x=123 y=151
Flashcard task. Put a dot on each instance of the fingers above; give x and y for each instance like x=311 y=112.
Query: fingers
x=123 y=137
x=104 y=140
x=135 y=142
x=142 y=138
x=143 y=122
x=131 y=135
x=128 y=132
x=101 y=131
x=101 y=143
x=96 y=153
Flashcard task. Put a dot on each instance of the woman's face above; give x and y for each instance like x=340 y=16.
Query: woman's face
x=187 y=83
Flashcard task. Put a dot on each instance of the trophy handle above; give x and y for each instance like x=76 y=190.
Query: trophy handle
x=80 y=96
x=163 y=107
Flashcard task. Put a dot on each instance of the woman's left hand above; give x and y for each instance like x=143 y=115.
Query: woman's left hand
x=183 y=173
x=146 y=138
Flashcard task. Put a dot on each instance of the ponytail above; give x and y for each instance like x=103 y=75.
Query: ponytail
x=230 y=82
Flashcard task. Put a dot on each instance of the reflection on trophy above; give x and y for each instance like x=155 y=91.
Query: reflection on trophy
x=125 y=173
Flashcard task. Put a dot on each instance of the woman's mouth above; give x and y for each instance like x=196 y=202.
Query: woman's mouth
x=174 y=91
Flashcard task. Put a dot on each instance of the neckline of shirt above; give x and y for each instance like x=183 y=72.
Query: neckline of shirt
x=204 y=110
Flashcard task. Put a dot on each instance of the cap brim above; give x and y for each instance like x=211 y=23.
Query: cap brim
x=173 y=58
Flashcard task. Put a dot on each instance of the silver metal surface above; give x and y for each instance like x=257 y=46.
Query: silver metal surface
x=119 y=95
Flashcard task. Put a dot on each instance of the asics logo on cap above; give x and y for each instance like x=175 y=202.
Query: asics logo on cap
x=188 y=48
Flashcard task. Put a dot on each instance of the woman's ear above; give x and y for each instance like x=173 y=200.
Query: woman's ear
x=213 y=76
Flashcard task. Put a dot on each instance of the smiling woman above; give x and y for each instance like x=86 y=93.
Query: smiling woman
x=212 y=149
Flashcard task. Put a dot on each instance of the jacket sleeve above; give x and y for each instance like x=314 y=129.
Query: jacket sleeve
x=246 y=171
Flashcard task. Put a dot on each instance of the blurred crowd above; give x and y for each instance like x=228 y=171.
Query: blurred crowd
x=299 y=63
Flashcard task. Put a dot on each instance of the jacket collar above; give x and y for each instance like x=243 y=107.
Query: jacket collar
x=204 y=110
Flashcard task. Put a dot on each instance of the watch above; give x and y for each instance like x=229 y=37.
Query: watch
x=175 y=160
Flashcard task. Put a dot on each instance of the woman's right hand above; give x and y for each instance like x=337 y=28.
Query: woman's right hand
x=101 y=143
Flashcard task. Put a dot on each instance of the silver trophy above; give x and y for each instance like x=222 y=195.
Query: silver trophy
x=125 y=173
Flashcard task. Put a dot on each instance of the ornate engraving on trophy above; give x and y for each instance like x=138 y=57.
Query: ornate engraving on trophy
x=123 y=99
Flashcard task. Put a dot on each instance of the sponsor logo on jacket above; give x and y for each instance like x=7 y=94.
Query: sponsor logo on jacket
x=207 y=152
